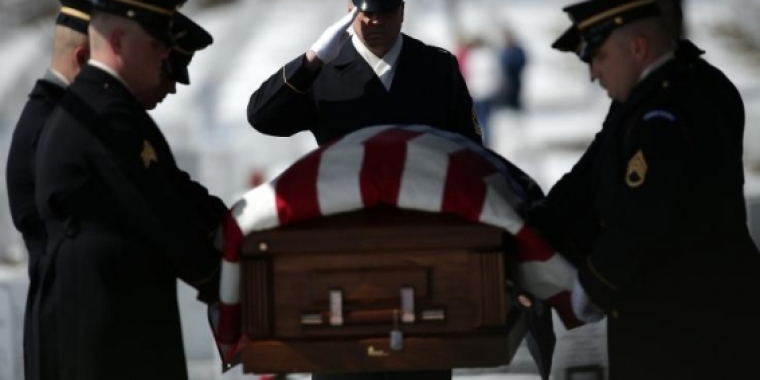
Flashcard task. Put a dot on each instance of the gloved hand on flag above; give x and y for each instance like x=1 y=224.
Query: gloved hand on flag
x=583 y=307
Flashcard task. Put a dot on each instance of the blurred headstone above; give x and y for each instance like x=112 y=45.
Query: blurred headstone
x=13 y=288
x=7 y=353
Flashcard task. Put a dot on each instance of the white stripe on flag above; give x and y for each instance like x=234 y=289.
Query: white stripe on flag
x=504 y=189
x=229 y=285
x=424 y=177
x=548 y=278
x=497 y=208
x=362 y=135
x=338 y=187
x=257 y=210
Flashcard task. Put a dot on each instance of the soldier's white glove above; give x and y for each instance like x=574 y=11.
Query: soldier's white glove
x=583 y=308
x=332 y=40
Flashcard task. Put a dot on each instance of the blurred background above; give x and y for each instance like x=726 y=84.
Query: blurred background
x=502 y=45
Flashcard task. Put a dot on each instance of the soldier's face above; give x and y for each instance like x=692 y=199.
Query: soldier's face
x=615 y=66
x=166 y=87
x=379 y=30
x=143 y=56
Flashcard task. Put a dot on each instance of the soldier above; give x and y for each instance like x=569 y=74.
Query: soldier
x=667 y=256
x=123 y=222
x=381 y=77
x=70 y=53
x=189 y=38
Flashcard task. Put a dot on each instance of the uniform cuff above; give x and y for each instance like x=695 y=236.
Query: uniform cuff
x=296 y=76
x=599 y=290
x=583 y=307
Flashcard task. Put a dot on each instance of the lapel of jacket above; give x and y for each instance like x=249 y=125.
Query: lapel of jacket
x=352 y=66
x=405 y=60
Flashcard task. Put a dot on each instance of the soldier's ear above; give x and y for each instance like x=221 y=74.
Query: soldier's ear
x=116 y=40
x=81 y=55
x=639 y=48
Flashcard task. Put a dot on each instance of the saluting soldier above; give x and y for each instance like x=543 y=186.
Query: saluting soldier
x=121 y=224
x=671 y=263
x=70 y=52
x=375 y=76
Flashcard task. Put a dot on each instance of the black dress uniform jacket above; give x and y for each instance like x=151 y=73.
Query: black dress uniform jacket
x=20 y=175
x=123 y=224
x=20 y=181
x=668 y=255
x=346 y=95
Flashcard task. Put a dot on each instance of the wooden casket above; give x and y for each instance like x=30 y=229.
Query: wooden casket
x=377 y=290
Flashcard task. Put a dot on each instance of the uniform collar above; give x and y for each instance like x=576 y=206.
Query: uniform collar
x=110 y=71
x=656 y=65
x=55 y=77
x=379 y=65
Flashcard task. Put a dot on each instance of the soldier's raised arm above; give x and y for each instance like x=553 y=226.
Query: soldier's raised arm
x=283 y=105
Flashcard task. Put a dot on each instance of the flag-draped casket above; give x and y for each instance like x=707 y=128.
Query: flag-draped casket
x=388 y=249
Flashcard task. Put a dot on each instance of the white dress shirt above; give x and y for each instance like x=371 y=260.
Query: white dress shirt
x=385 y=67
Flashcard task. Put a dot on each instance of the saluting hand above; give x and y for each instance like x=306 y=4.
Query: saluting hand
x=331 y=41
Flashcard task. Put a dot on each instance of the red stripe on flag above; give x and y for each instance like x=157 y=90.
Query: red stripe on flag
x=531 y=247
x=296 y=189
x=561 y=302
x=233 y=236
x=465 y=189
x=229 y=323
x=383 y=166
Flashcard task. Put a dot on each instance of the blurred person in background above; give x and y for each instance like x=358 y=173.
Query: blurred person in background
x=666 y=255
x=380 y=77
x=485 y=81
x=463 y=46
x=513 y=61
x=70 y=52
x=123 y=222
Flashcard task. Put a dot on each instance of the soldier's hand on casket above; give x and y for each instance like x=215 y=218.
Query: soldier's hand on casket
x=583 y=307
x=518 y=297
x=332 y=40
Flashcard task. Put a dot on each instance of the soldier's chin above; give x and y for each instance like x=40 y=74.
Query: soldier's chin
x=374 y=37
x=151 y=104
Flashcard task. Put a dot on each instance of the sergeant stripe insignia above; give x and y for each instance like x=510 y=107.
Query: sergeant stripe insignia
x=637 y=170
x=148 y=154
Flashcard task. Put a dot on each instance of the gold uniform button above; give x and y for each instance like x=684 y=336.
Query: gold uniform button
x=614 y=314
x=665 y=84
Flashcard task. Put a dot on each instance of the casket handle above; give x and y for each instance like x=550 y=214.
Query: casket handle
x=336 y=307
x=340 y=315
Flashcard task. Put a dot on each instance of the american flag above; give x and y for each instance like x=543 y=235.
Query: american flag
x=411 y=167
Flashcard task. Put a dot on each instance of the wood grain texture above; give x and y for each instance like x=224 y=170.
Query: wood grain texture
x=454 y=266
